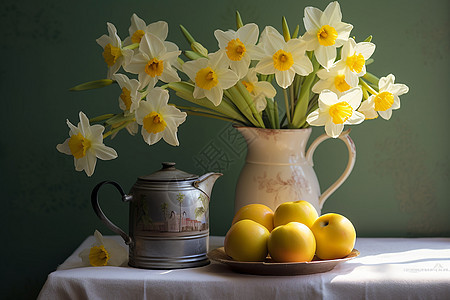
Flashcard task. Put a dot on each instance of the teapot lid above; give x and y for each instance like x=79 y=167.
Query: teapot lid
x=169 y=173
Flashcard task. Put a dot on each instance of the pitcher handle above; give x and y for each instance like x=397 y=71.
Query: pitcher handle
x=351 y=162
x=101 y=215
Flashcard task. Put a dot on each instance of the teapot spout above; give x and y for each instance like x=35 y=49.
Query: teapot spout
x=206 y=182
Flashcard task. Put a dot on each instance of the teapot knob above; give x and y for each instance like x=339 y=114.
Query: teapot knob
x=168 y=165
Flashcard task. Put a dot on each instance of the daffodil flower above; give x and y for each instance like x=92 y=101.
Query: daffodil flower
x=86 y=145
x=104 y=252
x=129 y=99
x=154 y=62
x=354 y=56
x=258 y=89
x=211 y=76
x=158 y=118
x=114 y=55
x=386 y=100
x=284 y=59
x=335 y=79
x=325 y=32
x=240 y=47
x=334 y=112
x=138 y=29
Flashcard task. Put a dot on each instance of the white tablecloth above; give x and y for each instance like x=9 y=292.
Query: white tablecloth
x=388 y=268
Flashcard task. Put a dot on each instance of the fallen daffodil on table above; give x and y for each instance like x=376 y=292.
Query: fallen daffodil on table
x=102 y=252
x=322 y=75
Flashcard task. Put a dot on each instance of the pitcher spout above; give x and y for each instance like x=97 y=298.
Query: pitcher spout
x=206 y=182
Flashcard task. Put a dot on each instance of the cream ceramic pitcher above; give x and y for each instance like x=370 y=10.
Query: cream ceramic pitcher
x=279 y=169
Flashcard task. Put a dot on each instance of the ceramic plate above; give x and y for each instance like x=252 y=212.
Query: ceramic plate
x=268 y=267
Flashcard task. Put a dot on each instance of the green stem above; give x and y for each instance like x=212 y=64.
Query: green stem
x=194 y=113
x=117 y=129
x=286 y=103
x=368 y=87
x=241 y=104
x=132 y=46
x=291 y=94
x=101 y=118
x=275 y=114
x=269 y=110
x=249 y=99
x=371 y=78
x=301 y=107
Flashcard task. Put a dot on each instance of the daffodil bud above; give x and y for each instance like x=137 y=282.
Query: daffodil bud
x=239 y=23
x=286 y=34
x=198 y=48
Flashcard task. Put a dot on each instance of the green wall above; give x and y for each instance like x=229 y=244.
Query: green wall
x=399 y=186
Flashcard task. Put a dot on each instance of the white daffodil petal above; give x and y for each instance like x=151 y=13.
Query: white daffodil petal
x=215 y=95
x=332 y=14
x=91 y=161
x=353 y=97
x=366 y=49
x=385 y=114
x=272 y=40
x=170 y=136
x=343 y=30
x=248 y=34
x=386 y=82
x=105 y=153
x=396 y=104
x=227 y=78
x=303 y=66
x=311 y=41
x=118 y=255
x=260 y=103
x=316 y=118
x=399 y=89
x=311 y=18
x=223 y=37
x=240 y=67
x=151 y=45
x=198 y=93
x=327 y=98
x=265 y=66
x=169 y=75
x=265 y=88
x=355 y=118
x=284 y=78
x=64 y=147
x=333 y=130
x=103 y=40
x=159 y=29
x=321 y=85
x=136 y=64
x=325 y=56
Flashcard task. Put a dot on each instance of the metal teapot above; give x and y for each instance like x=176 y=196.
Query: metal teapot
x=169 y=218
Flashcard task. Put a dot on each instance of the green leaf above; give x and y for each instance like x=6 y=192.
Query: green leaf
x=92 y=85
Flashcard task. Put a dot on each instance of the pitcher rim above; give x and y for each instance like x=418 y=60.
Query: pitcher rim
x=271 y=129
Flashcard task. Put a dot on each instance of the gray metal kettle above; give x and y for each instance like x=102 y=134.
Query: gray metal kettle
x=169 y=218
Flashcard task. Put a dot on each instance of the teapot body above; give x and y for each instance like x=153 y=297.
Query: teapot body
x=169 y=225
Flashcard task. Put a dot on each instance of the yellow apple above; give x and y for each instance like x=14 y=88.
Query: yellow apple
x=256 y=212
x=335 y=236
x=293 y=242
x=295 y=211
x=246 y=240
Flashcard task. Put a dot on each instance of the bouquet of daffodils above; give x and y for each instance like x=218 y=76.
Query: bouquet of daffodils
x=321 y=75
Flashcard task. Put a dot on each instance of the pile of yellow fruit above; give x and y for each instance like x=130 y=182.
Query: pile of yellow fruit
x=293 y=233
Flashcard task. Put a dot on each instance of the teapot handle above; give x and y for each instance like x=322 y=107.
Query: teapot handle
x=351 y=162
x=101 y=215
